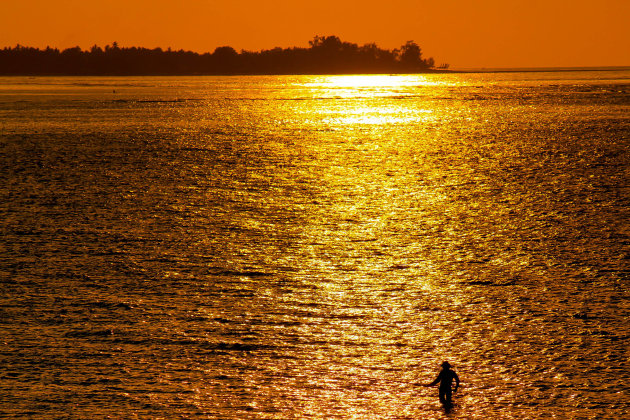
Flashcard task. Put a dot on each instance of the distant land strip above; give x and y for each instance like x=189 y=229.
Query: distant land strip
x=325 y=55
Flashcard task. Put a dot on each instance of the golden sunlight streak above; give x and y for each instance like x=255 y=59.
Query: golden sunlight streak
x=360 y=92
x=370 y=81
x=370 y=86
x=383 y=115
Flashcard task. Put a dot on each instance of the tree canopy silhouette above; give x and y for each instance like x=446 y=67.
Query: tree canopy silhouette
x=325 y=55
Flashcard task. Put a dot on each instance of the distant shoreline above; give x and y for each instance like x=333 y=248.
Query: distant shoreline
x=231 y=74
x=325 y=55
x=236 y=74
x=540 y=69
x=429 y=71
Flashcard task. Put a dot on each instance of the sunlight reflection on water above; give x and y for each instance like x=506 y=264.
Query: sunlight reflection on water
x=315 y=246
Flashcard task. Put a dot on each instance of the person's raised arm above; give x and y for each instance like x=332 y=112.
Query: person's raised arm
x=437 y=380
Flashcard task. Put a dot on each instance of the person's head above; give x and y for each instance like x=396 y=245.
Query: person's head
x=446 y=365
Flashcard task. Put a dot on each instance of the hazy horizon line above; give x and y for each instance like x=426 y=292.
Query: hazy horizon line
x=539 y=68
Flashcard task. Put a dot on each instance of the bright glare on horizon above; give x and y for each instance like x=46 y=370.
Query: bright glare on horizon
x=372 y=86
x=363 y=81
x=366 y=88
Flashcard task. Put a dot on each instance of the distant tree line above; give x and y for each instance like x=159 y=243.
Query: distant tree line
x=325 y=55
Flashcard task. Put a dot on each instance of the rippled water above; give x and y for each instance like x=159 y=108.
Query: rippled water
x=315 y=247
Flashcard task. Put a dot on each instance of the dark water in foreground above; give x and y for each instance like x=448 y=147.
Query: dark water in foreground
x=313 y=247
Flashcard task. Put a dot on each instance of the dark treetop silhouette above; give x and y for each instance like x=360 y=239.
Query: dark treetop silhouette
x=325 y=55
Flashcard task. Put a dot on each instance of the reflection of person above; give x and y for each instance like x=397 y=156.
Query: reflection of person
x=445 y=379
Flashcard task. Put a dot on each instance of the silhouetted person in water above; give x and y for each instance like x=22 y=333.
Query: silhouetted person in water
x=445 y=379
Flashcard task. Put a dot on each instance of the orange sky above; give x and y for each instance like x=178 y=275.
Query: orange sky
x=464 y=33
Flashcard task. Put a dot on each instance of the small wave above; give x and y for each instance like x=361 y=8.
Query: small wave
x=94 y=381
x=108 y=305
x=206 y=345
x=167 y=101
x=236 y=273
x=89 y=333
x=197 y=149
x=490 y=283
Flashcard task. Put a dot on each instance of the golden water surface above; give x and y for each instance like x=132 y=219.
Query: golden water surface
x=315 y=246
